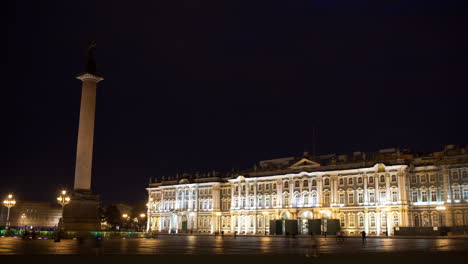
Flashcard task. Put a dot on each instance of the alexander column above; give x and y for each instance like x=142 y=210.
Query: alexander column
x=82 y=214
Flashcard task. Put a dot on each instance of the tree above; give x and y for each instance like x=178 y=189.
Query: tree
x=113 y=216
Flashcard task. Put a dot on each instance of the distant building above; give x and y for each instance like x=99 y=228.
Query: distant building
x=372 y=192
x=32 y=214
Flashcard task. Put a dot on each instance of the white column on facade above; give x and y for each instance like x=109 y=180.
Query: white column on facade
x=320 y=191
x=365 y=194
x=387 y=187
x=377 y=221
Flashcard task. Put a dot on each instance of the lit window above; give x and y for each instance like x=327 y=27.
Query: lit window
x=341 y=198
x=433 y=196
x=414 y=196
x=371 y=197
x=342 y=221
x=424 y=196
x=456 y=193
x=422 y=178
x=394 y=195
x=326 y=199
x=351 y=220
x=383 y=220
x=372 y=220
x=351 y=198
x=361 y=221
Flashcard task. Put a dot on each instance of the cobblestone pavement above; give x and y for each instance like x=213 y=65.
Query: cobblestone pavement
x=203 y=245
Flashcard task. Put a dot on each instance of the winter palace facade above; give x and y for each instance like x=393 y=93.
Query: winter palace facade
x=372 y=192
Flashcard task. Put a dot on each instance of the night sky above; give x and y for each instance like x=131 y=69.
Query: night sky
x=199 y=85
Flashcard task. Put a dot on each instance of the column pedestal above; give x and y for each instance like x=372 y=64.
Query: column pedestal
x=82 y=213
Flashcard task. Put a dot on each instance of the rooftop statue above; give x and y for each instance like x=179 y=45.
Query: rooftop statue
x=91 y=61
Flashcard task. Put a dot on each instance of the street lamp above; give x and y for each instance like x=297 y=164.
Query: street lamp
x=23 y=217
x=63 y=199
x=9 y=202
x=126 y=217
x=264 y=221
x=219 y=222
x=142 y=216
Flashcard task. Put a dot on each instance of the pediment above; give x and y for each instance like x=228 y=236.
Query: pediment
x=305 y=163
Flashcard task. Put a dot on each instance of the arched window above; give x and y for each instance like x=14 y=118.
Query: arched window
x=341 y=197
x=456 y=192
x=350 y=197
x=371 y=196
x=351 y=220
x=305 y=197
x=372 y=220
x=297 y=199
x=435 y=219
x=296 y=184
x=424 y=195
x=361 y=220
x=327 y=182
x=393 y=178
x=383 y=219
x=394 y=194
x=305 y=183
x=359 y=180
x=314 y=198
x=273 y=200
x=326 y=198
x=382 y=178
x=433 y=195
x=350 y=180
x=396 y=219
x=314 y=183
x=286 y=185
x=371 y=180
x=416 y=220
x=425 y=218
x=458 y=218
x=285 y=199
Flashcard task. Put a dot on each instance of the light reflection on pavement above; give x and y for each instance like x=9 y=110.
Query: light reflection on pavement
x=166 y=244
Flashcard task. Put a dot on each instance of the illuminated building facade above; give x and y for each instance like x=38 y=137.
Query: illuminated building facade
x=372 y=192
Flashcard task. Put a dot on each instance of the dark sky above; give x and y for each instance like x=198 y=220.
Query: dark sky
x=212 y=84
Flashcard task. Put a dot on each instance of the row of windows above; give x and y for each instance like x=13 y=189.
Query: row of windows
x=350 y=220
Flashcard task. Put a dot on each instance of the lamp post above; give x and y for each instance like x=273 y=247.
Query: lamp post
x=63 y=199
x=218 y=214
x=23 y=217
x=264 y=221
x=126 y=217
x=142 y=216
x=9 y=202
